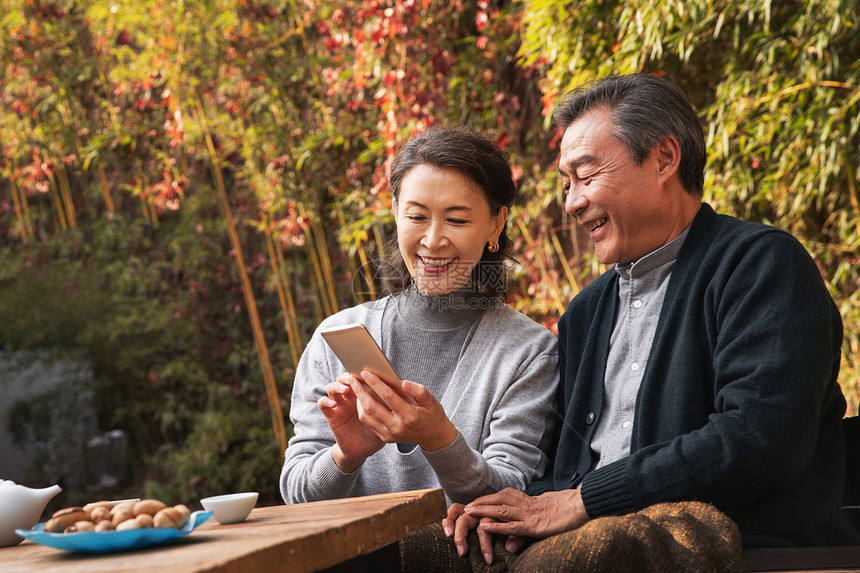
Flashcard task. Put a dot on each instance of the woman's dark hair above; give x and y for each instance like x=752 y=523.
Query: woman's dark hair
x=644 y=108
x=474 y=155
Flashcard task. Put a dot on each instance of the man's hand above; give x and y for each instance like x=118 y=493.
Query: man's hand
x=355 y=441
x=517 y=514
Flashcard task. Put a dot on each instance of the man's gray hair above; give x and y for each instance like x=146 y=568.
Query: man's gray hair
x=644 y=109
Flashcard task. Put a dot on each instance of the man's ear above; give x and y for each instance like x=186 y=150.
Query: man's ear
x=668 y=155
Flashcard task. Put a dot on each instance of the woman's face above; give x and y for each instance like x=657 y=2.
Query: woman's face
x=443 y=223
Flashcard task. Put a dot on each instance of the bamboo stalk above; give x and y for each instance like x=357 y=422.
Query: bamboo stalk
x=313 y=256
x=291 y=303
x=141 y=196
x=66 y=194
x=251 y=304
x=852 y=190
x=557 y=299
x=148 y=211
x=358 y=293
x=325 y=260
x=57 y=202
x=319 y=312
x=365 y=265
x=351 y=261
x=368 y=276
x=281 y=286
x=25 y=209
x=362 y=257
x=103 y=182
x=19 y=211
x=61 y=196
x=379 y=238
x=379 y=241
x=574 y=284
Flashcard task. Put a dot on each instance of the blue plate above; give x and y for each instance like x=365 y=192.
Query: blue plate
x=108 y=541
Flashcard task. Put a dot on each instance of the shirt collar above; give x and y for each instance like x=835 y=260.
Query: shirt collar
x=654 y=259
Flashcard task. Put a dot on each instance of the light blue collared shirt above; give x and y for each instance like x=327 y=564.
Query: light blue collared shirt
x=641 y=289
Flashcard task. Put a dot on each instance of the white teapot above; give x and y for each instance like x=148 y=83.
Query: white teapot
x=20 y=508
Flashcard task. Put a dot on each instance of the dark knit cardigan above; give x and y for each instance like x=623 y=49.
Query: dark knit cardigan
x=739 y=404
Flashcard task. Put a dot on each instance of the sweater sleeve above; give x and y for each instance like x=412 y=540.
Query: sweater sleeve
x=771 y=335
x=520 y=423
x=309 y=472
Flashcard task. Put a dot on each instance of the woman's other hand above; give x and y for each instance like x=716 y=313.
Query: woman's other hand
x=355 y=442
x=408 y=414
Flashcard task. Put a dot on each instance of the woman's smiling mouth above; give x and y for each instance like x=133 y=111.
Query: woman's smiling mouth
x=432 y=264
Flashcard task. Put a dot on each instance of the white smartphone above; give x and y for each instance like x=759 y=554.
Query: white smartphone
x=357 y=351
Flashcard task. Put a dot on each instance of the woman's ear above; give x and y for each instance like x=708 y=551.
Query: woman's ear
x=500 y=219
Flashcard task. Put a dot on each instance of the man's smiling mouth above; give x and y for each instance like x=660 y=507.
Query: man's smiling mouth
x=596 y=224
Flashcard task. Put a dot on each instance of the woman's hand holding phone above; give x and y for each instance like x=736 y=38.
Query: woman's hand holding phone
x=408 y=414
x=378 y=403
x=355 y=442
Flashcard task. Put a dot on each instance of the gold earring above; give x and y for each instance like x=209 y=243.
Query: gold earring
x=492 y=247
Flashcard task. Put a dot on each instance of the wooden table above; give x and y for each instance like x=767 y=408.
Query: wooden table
x=296 y=538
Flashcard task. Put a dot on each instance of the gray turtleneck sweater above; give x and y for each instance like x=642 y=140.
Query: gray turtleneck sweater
x=494 y=371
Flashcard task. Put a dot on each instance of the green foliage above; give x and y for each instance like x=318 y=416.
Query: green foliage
x=230 y=449
x=777 y=85
x=121 y=124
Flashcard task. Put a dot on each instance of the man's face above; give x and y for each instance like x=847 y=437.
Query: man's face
x=622 y=206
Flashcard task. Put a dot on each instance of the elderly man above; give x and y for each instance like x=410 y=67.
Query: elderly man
x=700 y=370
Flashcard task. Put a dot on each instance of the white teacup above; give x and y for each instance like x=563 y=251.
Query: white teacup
x=232 y=507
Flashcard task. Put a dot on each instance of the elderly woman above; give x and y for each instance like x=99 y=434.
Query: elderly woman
x=474 y=413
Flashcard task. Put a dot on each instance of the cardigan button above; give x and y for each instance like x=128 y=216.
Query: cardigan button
x=589 y=419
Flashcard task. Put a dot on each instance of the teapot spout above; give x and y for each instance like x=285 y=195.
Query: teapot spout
x=48 y=493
